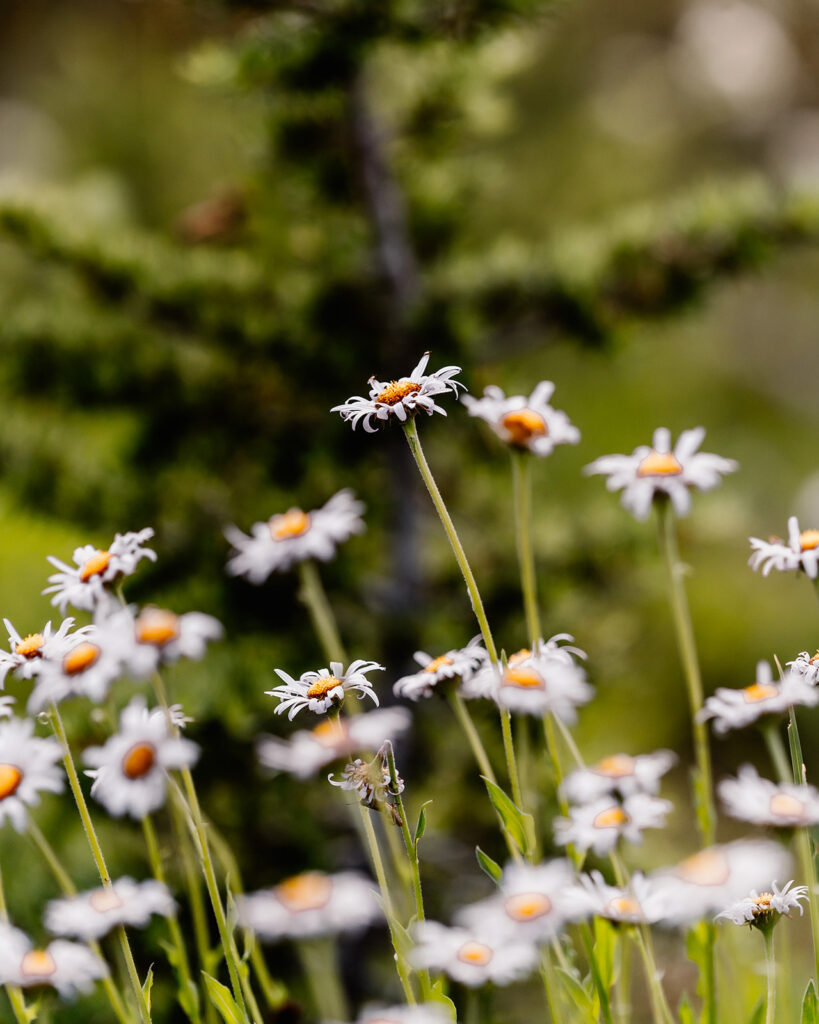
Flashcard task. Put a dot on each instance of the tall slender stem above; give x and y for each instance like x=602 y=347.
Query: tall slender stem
x=770 y=972
x=15 y=994
x=314 y=598
x=522 y=476
x=458 y=705
x=320 y=966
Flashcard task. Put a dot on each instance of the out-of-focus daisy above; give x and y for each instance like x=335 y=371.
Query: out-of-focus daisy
x=658 y=469
x=458 y=664
x=84 y=669
x=423 y=1013
x=600 y=825
x=294 y=536
x=751 y=798
x=90 y=915
x=307 y=751
x=643 y=902
x=534 y=903
x=130 y=770
x=67 y=966
x=28 y=653
x=806 y=666
x=400 y=398
x=800 y=552
x=28 y=766
x=319 y=691
x=152 y=637
x=618 y=773
x=734 y=709
x=309 y=905
x=83 y=584
x=470 y=956
x=530 y=424
x=763 y=909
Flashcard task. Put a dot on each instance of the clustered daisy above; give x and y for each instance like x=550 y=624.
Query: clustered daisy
x=321 y=690
x=733 y=709
x=86 y=584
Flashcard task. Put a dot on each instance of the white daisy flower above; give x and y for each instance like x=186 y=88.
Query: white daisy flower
x=84 y=669
x=319 y=691
x=471 y=957
x=309 y=905
x=762 y=802
x=642 y=902
x=152 y=637
x=800 y=552
x=28 y=766
x=734 y=709
x=600 y=825
x=618 y=773
x=648 y=472
x=458 y=664
x=83 y=584
x=704 y=884
x=90 y=915
x=423 y=1013
x=400 y=398
x=763 y=909
x=294 y=536
x=67 y=966
x=534 y=903
x=307 y=751
x=527 y=423
x=806 y=666
x=27 y=653
x=369 y=780
x=130 y=775
x=7 y=706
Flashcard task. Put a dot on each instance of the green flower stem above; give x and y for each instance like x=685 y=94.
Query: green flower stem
x=770 y=972
x=15 y=994
x=522 y=477
x=602 y=991
x=547 y=976
x=99 y=859
x=314 y=598
x=318 y=960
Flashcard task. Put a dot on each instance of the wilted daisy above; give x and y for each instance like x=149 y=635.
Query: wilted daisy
x=309 y=905
x=642 y=902
x=423 y=1013
x=470 y=956
x=152 y=637
x=648 y=472
x=457 y=664
x=800 y=552
x=28 y=652
x=751 y=798
x=733 y=709
x=400 y=398
x=319 y=691
x=84 y=669
x=307 y=751
x=763 y=909
x=90 y=915
x=806 y=666
x=618 y=773
x=67 y=966
x=529 y=423
x=294 y=536
x=130 y=770
x=28 y=767
x=369 y=780
x=83 y=584
x=600 y=825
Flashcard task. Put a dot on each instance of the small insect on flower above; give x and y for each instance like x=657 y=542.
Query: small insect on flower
x=294 y=536
x=144 y=640
x=642 y=902
x=28 y=767
x=763 y=910
x=751 y=798
x=66 y=966
x=309 y=905
x=600 y=825
x=130 y=770
x=90 y=915
x=528 y=424
x=734 y=709
x=27 y=654
x=657 y=470
x=85 y=584
x=470 y=956
x=319 y=691
x=800 y=552
x=456 y=664
x=84 y=669
x=400 y=398
x=618 y=773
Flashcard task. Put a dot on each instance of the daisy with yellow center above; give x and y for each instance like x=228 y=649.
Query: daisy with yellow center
x=749 y=797
x=319 y=691
x=618 y=774
x=29 y=652
x=80 y=666
x=526 y=424
x=69 y=967
x=472 y=956
x=600 y=825
x=147 y=639
x=90 y=915
x=460 y=664
x=806 y=666
x=734 y=709
x=764 y=909
x=643 y=902
x=29 y=765
x=801 y=551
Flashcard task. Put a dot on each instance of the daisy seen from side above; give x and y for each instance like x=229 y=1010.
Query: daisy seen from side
x=471 y=956
x=321 y=690
x=28 y=766
x=69 y=967
x=27 y=653
x=800 y=551
x=144 y=640
x=85 y=585
x=618 y=773
x=90 y=915
x=763 y=910
x=641 y=902
x=733 y=709
x=84 y=669
x=527 y=424
x=460 y=664
x=749 y=797
x=600 y=825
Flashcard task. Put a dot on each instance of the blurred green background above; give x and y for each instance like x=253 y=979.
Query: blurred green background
x=218 y=220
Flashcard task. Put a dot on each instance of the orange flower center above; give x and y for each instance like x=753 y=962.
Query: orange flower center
x=37 y=963
x=438 y=662
x=527 y=906
x=518 y=657
x=708 y=867
x=95 y=565
x=815 y=658
x=157 y=627
x=808 y=540
x=139 y=760
x=292 y=523
x=617 y=766
x=783 y=805
x=10 y=779
x=321 y=687
x=624 y=906
x=612 y=817
x=397 y=390
x=330 y=733
x=30 y=646
x=659 y=464
x=759 y=691
x=81 y=658
x=103 y=900
x=522 y=425
x=307 y=891
x=525 y=678
x=762 y=902
x=475 y=953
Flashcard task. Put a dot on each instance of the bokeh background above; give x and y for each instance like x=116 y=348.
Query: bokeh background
x=218 y=220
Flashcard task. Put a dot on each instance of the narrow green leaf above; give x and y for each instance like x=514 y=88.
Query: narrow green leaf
x=514 y=820
x=685 y=1011
x=188 y=996
x=582 y=999
x=797 y=760
x=758 y=1016
x=222 y=999
x=438 y=995
x=605 y=938
x=421 y=827
x=810 y=1005
x=147 y=985
x=489 y=866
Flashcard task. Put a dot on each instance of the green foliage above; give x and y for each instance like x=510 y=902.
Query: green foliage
x=810 y=1005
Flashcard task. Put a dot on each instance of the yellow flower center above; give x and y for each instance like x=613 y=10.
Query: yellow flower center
x=157 y=627
x=518 y=657
x=624 y=906
x=612 y=817
x=10 y=779
x=82 y=657
x=139 y=760
x=522 y=425
x=397 y=390
x=525 y=678
x=307 y=891
x=762 y=903
x=95 y=566
x=30 y=646
x=292 y=523
x=808 y=540
x=527 y=906
x=321 y=687
x=37 y=963
x=616 y=766
x=438 y=662
x=659 y=464
x=330 y=733
x=475 y=953
x=783 y=805
x=708 y=867
x=815 y=658
x=103 y=900
x=759 y=691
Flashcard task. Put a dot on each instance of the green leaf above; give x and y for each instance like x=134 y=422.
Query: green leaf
x=758 y=1016
x=582 y=999
x=148 y=984
x=421 y=827
x=810 y=1005
x=797 y=761
x=188 y=996
x=487 y=865
x=605 y=939
x=685 y=1011
x=438 y=995
x=224 y=1002
x=520 y=826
